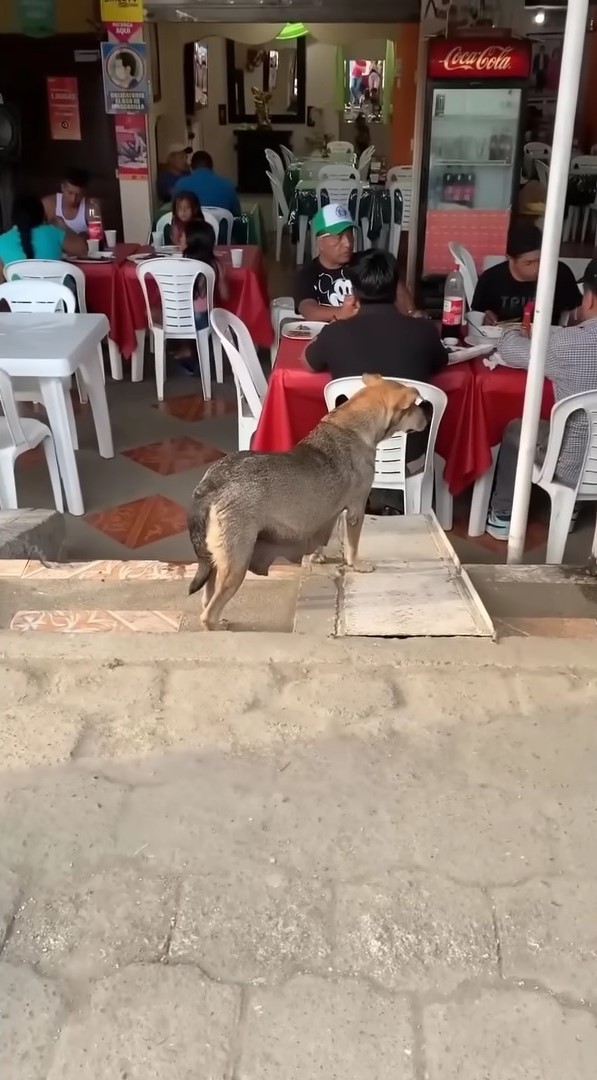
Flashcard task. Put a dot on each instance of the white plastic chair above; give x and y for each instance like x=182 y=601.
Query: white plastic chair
x=340 y=146
x=401 y=176
x=390 y=458
x=33 y=296
x=280 y=309
x=211 y=220
x=275 y=164
x=346 y=172
x=249 y=380
x=165 y=219
x=17 y=435
x=280 y=211
x=220 y=216
x=364 y=162
x=466 y=264
x=175 y=279
x=584 y=163
x=542 y=172
x=287 y=156
x=537 y=150
x=564 y=498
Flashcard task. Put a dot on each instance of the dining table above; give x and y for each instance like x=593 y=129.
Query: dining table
x=112 y=288
x=50 y=349
x=481 y=402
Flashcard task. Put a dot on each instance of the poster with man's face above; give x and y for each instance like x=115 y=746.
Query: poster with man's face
x=126 y=88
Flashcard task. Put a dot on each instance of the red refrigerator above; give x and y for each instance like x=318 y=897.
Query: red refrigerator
x=474 y=115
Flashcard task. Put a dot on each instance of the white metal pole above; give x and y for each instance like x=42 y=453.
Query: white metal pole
x=574 y=39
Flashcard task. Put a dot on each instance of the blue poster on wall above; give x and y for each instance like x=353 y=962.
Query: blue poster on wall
x=126 y=86
x=37 y=18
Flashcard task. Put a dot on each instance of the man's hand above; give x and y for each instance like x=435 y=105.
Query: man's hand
x=348 y=307
x=490 y=319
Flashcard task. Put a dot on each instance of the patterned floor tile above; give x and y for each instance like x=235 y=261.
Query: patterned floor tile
x=107 y=570
x=173 y=455
x=535 y=538
x=30 y=457
x=141 y=522
x=97 y=622
x=13 y=568
x=192 y=407
x=547 y=627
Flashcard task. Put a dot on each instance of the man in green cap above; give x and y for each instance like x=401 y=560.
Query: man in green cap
x=323 y=292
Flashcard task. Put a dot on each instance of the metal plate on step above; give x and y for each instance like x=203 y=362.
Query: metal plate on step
x=418 y=588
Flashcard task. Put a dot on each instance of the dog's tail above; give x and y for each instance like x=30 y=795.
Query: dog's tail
x=197 y=528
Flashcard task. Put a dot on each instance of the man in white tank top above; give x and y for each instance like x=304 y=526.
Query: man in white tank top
x=68 y=208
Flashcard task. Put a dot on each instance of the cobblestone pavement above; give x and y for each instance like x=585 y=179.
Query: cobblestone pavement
x=281 y=866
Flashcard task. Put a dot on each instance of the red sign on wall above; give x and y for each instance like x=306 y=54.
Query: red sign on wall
x=479 y=58
x=63 y=107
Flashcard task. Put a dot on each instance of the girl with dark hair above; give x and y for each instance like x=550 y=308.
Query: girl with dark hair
x=199 y=243
x=186 y=208
x=32 y=238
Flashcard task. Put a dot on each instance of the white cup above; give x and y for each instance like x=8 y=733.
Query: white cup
x=451 y=342
x=111 y=238
x=93 y=246
x=236 y=256
x=157 y=239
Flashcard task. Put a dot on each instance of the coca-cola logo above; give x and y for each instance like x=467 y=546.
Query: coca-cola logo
x=492 y=58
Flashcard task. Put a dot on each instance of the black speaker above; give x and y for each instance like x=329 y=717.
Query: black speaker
x=10 y=134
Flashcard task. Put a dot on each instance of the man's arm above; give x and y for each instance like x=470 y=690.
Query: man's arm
x=316 y=354
x=314 y=312
x=514 y=348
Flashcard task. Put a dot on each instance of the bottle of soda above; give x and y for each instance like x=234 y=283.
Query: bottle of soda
x=95 y=228
x=527 y=316
x=453 y=310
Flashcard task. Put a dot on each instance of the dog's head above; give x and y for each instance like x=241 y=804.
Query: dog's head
x=395 y=406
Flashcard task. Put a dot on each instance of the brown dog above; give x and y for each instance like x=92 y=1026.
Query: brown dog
x=250 y=509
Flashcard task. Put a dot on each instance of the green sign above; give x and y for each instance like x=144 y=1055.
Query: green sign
x=37 y=18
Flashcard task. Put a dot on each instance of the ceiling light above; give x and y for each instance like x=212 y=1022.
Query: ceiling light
x=539 y=18
x=292 y=30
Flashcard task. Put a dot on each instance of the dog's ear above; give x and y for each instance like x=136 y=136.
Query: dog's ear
x=372 y=380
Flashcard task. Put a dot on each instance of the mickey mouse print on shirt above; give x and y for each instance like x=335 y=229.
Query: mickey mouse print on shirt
x=332 y=287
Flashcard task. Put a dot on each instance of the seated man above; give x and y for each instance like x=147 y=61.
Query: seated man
x=177 y=165
x=68 y=208
x=207 y=186
x=503 y=290
x=571 y=364
x=323 y=289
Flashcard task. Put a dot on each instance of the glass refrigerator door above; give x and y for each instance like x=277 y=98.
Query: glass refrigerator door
x=472 y=151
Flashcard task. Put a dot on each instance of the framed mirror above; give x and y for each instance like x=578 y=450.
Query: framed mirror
x=278 y=67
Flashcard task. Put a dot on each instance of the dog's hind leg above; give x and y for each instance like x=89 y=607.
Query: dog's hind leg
x=227 y=583
x=209 y=587
x=204 y=571
x=352 y=534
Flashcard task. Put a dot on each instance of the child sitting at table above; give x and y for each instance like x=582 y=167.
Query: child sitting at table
x=186 y=208
x=198 y=243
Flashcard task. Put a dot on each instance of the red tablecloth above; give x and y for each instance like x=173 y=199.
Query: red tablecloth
x=112 y=288
x=480 y=405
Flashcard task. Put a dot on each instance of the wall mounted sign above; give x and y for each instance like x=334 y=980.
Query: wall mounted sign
x=122 y=31
x=131 y=144
x=126 y=86
x=122 y=11
x=478 y=58
x=63 y=107
x=36 y=18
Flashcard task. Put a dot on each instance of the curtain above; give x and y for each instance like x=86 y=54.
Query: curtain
x=388 y=86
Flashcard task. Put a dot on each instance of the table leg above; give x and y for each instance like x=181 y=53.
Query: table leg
x=92 y=378
x=55 y=406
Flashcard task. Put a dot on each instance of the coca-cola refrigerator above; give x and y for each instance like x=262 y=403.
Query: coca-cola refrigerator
x=474 y=115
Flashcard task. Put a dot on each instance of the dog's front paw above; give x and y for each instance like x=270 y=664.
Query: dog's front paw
x=316 y=557
x=362 y=567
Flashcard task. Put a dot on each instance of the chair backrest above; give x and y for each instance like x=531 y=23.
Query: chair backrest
x=163 y=221
x=594 y=149
x=401 y=176
x=466 y=264
x=212 y=220
x=340 y=146
x=220 y=216
x=275 y=163
x=340 y=191
x=251 y=384
x=49 y=270
x=287 y=156
x=390 y=457
x=538 y=150
x=364 y=162
x=346 y=172
x=542 y=172
x=560 y=414
x=35 y=296
x=584 y=163
x=8 y=406
x=279 y=196
x=175 y=278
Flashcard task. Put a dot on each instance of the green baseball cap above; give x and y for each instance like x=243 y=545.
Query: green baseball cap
x=332 y=219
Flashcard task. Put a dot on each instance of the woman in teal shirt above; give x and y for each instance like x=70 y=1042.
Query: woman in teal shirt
x=32 y=238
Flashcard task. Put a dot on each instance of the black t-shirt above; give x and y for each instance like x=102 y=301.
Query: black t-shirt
x=316 y=282
x=499 y=292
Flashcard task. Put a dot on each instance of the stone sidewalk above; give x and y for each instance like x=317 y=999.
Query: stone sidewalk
x=236 y=857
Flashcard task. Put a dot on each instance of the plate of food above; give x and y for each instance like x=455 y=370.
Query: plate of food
x=302 y=331
x=167 y=249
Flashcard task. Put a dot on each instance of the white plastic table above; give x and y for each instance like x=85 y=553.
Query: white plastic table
x=50 y=348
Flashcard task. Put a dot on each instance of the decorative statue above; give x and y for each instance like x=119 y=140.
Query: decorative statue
x=262 y=99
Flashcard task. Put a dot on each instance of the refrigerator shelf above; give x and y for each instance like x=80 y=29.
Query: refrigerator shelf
x=470 y=164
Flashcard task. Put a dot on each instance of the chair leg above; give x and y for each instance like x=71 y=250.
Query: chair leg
x=562 y=506
x=302 y=239
x=279 y=228
x=81 y=389
x=137 y=357
x=52 y=463
x=8 y=487
x=115 y=360
x=216 y=345
x=70 y=412
x=202 y=342
x=481 y=496
x=444 y=503
x=158 y=338
x=585 y=222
